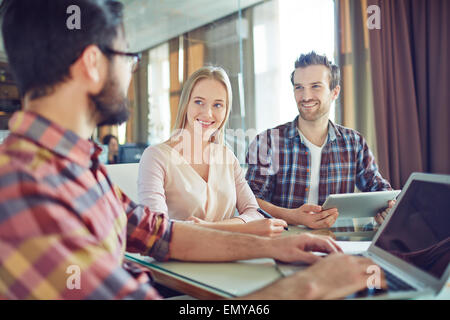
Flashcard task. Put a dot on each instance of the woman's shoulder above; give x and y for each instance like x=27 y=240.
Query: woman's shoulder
x=155 y=152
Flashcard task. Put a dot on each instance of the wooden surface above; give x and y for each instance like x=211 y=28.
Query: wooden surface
x=187 y=288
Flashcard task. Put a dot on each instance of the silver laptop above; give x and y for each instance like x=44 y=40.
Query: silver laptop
x=413 y=244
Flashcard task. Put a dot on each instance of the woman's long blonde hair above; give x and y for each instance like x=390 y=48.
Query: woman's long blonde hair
x=207 y=72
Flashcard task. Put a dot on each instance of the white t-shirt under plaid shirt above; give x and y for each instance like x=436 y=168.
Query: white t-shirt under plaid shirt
x=315 y=157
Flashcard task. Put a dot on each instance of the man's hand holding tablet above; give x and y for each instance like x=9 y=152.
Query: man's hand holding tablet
x=312 y=216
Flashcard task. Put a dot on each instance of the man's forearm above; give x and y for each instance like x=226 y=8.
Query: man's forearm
x=195 y=243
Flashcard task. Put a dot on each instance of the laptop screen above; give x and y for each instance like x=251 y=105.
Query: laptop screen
x=419 y=231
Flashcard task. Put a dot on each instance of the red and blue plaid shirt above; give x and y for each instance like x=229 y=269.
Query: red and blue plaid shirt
x=64 y=227
x=279 y=165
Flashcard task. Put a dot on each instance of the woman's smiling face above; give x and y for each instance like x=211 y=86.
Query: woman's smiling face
x=207 y=108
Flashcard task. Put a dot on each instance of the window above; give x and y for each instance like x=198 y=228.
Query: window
x=283 y=30
x=158 y=93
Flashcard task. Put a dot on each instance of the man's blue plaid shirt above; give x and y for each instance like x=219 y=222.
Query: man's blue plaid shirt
x=279 y=165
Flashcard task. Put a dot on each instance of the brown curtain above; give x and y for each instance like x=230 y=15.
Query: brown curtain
x=355 y=105
x=411 y=81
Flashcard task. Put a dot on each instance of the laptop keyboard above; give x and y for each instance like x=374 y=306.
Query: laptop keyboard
x=395 y=284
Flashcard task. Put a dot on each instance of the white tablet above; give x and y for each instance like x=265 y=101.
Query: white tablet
x=360 y=205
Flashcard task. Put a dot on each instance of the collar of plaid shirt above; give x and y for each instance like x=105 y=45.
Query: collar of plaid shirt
x=55 y=138
x=292 y=130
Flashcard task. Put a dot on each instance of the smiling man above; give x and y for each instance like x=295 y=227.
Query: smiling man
x=294 y=167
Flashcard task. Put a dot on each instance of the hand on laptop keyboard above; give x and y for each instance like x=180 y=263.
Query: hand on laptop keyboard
x=339 y=275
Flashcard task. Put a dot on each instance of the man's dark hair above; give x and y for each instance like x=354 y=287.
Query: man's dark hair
x=106 y=139
x=313 y=58
x=40 y=46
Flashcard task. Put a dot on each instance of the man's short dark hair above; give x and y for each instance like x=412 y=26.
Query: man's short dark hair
x=41 y=47
x=311 y=59
x=106 y=139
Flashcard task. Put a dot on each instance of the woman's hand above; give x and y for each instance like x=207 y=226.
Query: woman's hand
x=199 y=221
x=266 y=227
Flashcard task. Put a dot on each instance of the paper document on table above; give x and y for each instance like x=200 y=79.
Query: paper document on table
x=349 y=247
x=354 y=247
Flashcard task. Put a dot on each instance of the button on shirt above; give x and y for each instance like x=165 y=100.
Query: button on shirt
x=64 y=227
x=279 y=169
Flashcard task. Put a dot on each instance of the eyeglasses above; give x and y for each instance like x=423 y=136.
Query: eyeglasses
x=135 y=57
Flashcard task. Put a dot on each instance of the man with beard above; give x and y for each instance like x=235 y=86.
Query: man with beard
x=64 y=227
x=294 y=167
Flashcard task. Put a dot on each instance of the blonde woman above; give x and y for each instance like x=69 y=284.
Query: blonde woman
x=193 y=176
